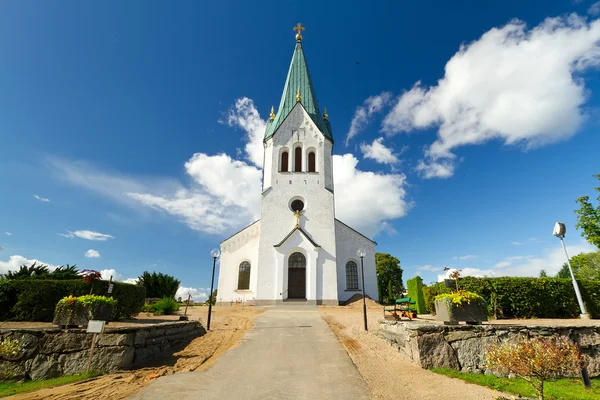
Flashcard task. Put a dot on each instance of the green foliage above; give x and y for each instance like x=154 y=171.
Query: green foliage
x=43 y=272
x=563 y=389
x=388 y=270
x=166 y=306
x=415 y=292
x=429 y=293
x=10 y=348
x=159 y=285
x=36 y=300
x=12 y=388
x=212 y=299
x=543 y=273
x=515 y=297
x=585 y=266
x=459 y=297
x=87 y=300
x=588 y=218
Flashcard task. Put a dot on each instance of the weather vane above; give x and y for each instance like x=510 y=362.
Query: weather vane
x=299 y=28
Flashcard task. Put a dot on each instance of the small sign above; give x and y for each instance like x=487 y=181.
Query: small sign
x=95 y=326
x=110 y=288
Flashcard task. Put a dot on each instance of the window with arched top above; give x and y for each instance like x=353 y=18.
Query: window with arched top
x=351 y=276
x=312 y=162
x=284 y=161
x=244 y=276
x=298 y=159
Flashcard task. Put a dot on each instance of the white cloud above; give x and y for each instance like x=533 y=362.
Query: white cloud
x=518 y=243
x=551 y=260
x=8 y=233
x=364 y=113
x=594 y=9
x=107 y=273
x=467 y=257
x=513 y=84
x=42 y=199
x=92 y=254
x=198 y=294
x=15 y=262
x=430 y=268
x=378 y=152
x=88 y=235
x=366 y=200
x=245 y=115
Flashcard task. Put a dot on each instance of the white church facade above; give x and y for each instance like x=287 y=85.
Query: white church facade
x=298 y=250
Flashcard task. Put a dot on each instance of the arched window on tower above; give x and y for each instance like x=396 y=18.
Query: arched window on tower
x=312 y=162
x=351 y=276
x=284 y=161
x=244 y=276
x=298 y=159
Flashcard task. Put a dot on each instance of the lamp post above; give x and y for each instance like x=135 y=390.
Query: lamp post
x=361 y=253
x=559 y=232
x=215 y=253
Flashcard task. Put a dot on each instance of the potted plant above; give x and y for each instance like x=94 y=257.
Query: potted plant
x=77 y=311
x=460 y=305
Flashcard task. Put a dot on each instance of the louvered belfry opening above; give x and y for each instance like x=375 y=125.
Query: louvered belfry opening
x=312 y=167
x=284 y=161
x=298 y=159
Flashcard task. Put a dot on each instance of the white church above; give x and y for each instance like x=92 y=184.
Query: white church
x=298 y=251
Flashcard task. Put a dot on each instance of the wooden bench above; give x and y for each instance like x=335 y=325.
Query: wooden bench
x=403 y=307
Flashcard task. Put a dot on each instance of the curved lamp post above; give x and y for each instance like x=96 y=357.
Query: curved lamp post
x=214 y=253
x=361 y=253
x=559 y=232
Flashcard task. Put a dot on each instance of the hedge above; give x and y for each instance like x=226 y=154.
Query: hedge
x=415 y=292
x=527 y=297
x=35 y=300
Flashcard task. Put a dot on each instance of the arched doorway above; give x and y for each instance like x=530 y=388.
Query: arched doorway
x=297 y=276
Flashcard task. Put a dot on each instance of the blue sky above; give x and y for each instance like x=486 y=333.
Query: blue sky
x=134 y=119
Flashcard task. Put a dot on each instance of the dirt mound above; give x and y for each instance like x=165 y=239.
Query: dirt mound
x=356 y=301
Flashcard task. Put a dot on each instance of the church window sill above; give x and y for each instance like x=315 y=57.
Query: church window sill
x=353 y=290
x=243 y=291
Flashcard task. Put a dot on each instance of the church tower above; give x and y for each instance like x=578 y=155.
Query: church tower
x=298 y=250
x=297 y=213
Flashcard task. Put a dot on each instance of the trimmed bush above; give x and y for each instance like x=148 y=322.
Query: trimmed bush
x=513 y=297
x=166 y=306
x=35 y=300
x=415 y=292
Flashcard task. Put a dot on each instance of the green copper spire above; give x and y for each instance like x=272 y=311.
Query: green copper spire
x=298 y=80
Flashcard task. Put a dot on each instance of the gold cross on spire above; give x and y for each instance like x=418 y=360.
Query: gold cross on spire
x=299 y=28
x=297 y=214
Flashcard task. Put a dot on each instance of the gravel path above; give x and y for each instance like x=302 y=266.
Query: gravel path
x=389 y=374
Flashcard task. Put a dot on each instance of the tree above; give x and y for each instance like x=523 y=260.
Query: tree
x=65 y=272
x=588 y=218
x=543 y=273
x=585 y=266
x=389 y=277
x=159 y=285
x=32 y=272
x=212 y=299
x=536 y=360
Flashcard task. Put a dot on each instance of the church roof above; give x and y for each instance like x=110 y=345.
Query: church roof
x=298 y=78
x=297 y=228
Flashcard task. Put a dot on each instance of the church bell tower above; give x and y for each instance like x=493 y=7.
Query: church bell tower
x=297 y=250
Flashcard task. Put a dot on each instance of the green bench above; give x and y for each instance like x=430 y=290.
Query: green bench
x=403 y=307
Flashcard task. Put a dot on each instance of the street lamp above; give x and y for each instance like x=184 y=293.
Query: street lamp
x=559 y=232
x=214 y=253
x=361 y=253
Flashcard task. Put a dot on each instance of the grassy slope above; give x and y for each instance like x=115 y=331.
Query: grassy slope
x=12 y=388
x=562 y=389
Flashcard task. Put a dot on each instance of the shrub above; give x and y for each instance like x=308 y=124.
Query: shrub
x=43 y=272
x=515 y=297
x=166 y=306
x=35 y=300
x=536 y=360
x=68 y=308
x=415 y=292
x=159 y=285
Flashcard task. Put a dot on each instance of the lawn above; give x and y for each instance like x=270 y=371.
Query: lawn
x=561 y=389
x=12 y=388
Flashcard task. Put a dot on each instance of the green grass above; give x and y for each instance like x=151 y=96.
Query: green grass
x=561 y=389
x=12 y=388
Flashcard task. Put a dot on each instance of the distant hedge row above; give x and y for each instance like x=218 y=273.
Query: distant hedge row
x=526 y=297
x=415 y=292
x=35 y=300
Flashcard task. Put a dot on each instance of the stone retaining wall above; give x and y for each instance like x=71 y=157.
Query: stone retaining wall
x=53 y=352
x=461 y=347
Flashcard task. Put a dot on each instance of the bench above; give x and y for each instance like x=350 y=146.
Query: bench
x=403 y=307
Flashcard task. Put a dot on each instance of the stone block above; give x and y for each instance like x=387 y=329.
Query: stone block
x=64 y=342
x=454 y=336
x=116 y=339
x=434 y=351
x=140 y=338
x=44 y=367
x=12 y=370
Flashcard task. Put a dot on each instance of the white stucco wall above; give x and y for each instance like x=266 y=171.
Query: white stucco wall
x=348 y=242
x=243 y=246
x=277 y=219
